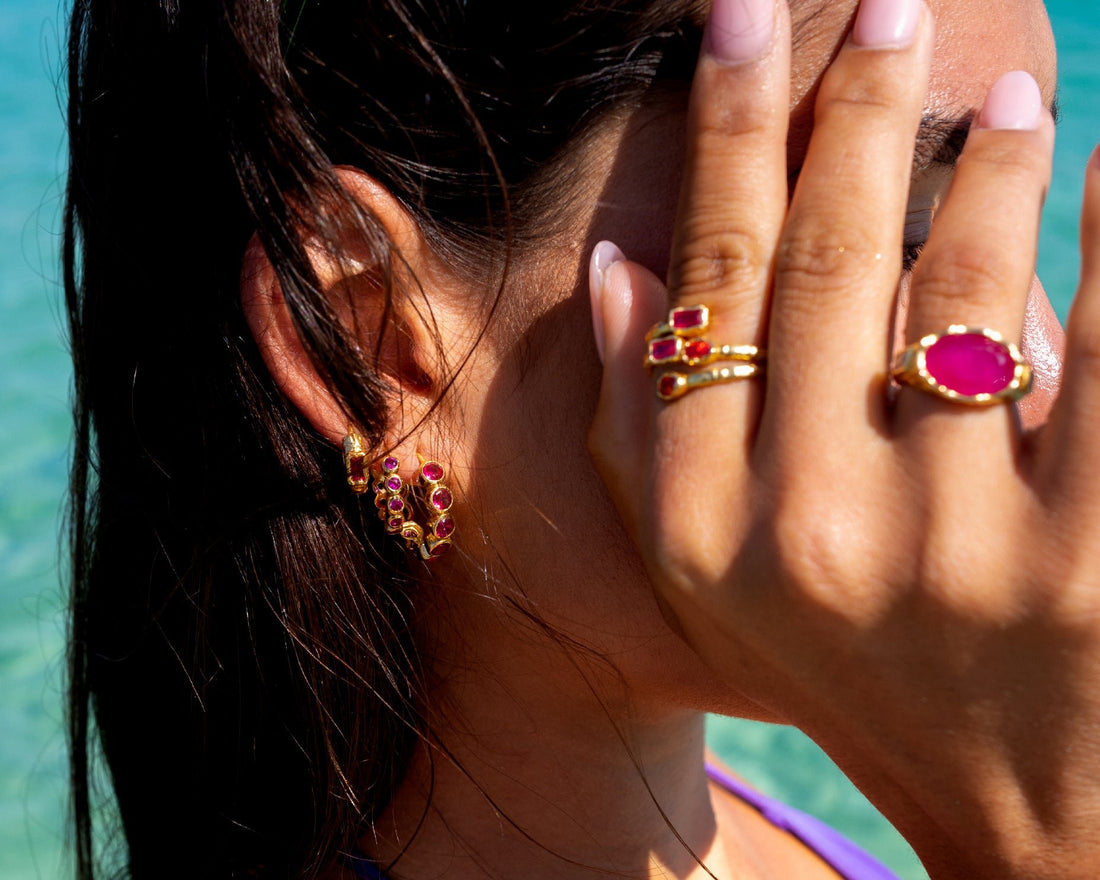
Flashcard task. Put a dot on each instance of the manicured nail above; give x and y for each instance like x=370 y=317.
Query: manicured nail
x=1014 y=103
x=740 y=30
x=604 y=256
x=886 y=24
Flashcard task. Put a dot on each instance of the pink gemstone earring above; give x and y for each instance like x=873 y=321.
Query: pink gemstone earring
x=394 y=499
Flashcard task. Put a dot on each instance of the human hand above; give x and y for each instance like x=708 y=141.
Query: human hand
x=914 y=583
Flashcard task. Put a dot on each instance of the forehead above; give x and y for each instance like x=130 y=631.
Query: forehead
x=976 y=41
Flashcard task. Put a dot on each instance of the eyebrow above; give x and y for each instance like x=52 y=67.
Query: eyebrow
x=941 y=138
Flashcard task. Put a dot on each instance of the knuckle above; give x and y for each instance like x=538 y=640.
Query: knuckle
x=866 y=91
x=1013 y=163
x=722 y=121
x=819 y=562
x=817 y=255
x=717 y=259
x=967 y=272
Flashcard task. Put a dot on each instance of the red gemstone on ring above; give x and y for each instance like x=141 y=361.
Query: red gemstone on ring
x=688 y=318
x=432 y=471
x=664 y=349
x=970 y=364
x=445 y=527
x=697 y=349
x=440 y=548
x=441 y=498
x=667 y=385
x=356 y=470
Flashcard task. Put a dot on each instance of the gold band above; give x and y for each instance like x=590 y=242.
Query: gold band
x=664 y=350
x=674 y=385
x=964 y=364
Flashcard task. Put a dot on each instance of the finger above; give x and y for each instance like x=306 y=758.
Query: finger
x=979 y=262
x=733 y=197
x=839 y=261
x=626 y=299
x=1068 y=467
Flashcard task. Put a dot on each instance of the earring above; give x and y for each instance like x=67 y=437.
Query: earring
x=394 y=502
x=355 y=462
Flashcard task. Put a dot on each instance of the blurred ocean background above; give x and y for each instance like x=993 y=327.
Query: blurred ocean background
x=34 y=426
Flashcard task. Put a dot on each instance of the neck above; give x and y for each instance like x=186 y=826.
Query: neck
x=539 y=775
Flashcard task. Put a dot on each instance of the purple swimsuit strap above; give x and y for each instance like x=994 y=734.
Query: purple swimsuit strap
x=836 y=850
x=843 y=856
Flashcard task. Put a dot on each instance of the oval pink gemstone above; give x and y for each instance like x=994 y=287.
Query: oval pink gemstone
x=440 y=548
x=445 y=527
x=970 y=364
x=393 y=483
x=396 y=505
x=395 y=523
x=432 y=471
x=390 y=464
x=441 y=498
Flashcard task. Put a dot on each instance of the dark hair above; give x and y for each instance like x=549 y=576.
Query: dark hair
x=241 y=640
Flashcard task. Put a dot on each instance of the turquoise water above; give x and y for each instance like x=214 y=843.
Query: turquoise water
x=34 y=425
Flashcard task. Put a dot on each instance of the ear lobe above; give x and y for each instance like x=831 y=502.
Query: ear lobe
x=370 y=302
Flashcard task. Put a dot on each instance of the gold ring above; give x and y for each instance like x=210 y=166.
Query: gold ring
x=673 y=385
x=696 y=352
x=683 y=321
x=971 y=365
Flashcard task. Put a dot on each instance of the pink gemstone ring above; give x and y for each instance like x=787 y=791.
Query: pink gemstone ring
x=673 y=385
x=683 y=321
x=698 y=352
x=971 y=365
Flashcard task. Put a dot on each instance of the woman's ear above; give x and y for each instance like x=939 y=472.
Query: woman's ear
x=376 y=301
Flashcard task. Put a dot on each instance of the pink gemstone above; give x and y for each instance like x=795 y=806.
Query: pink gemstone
x=666 y=349
x=441 y=498
x=666 y=385
x=390 y=464
x=445 y=527
x=970 y=363
x=356 y=470
x=395 y=522
x=432 y=471
x=410 y=534
x=396 y=505
x=440 y=548
x=689 y=318
x=393 y=483
x=697 y=349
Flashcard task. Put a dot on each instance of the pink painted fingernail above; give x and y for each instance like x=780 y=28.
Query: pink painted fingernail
x=740 y=30
x=886 y=24
x=1014 y=103
x=604 y=256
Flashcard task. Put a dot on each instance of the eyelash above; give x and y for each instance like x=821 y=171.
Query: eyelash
x=909 y=255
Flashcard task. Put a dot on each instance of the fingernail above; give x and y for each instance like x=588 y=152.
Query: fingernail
x=886 y=24
x=1014 y=103
x=604 y=256
x=740 y=30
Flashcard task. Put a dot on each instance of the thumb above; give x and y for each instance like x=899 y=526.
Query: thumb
x=627 y=299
